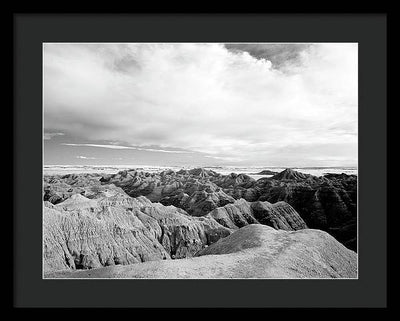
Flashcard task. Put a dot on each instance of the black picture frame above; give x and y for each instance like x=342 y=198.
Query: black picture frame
x=31 y=30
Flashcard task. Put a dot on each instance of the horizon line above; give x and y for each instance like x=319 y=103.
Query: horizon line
x=210 y=166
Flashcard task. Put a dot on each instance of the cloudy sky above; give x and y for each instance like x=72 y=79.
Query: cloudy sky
x=286 y=105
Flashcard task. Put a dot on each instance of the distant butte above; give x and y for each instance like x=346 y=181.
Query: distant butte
x=266 y=172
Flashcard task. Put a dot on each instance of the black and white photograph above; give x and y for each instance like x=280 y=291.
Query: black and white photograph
x=189 y=160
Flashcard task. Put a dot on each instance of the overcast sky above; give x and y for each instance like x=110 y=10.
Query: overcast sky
x=286 y=105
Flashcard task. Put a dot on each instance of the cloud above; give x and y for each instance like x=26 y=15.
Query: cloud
x=48 y=136
x=113 y=146
x=280 y=55
x=227 y=159
x=236 y=103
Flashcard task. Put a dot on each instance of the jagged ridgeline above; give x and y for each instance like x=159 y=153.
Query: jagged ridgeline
x=94 y=220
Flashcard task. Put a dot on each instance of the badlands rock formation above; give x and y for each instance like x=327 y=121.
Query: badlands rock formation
x=328 y=203
x=193 y=191
x=109 y=229
x=58 y=188
x=93 y=221
x=241 y=213
x=253 y=251
x=113 y=228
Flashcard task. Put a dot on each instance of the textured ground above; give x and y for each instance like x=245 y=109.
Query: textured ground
x=327 y=203
x=254 y=251
x=199 y=224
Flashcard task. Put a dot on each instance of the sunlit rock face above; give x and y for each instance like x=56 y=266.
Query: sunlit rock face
x=328 y=203
x=192 y=190
x=241 y=213
x=83 y=233
x=253 y=251
x=306 y=253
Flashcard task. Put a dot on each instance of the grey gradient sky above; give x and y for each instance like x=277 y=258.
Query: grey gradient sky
x=200 y=104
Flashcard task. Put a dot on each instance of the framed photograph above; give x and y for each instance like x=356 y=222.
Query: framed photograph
x=202 y=156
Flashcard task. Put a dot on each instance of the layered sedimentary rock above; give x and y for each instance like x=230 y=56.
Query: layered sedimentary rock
x=83 y=233
x=254 y=251
x=241 y=213
x=328 y=202
x=234 y=180
x=192 y=190
x=58 y=188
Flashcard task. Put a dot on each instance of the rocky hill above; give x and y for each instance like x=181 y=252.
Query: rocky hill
x=290 y=174
x=192 y=190
x=112 y=228
x=241 y=213
x=328 y=203
x=253 y=251
x=82 y=233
